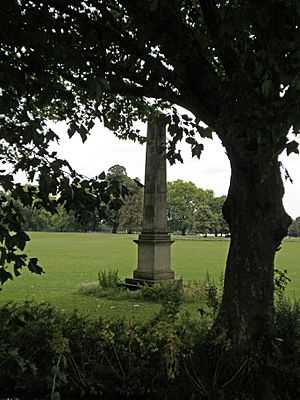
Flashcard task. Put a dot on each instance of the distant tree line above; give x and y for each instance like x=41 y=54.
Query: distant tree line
x=294 y=228
x=190 y=210
x=128 y=217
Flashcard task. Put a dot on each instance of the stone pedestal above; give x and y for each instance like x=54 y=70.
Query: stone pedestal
x=154 y=258
x=154 y=255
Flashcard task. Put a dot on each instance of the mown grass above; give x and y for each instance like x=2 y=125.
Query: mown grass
x=70 y=259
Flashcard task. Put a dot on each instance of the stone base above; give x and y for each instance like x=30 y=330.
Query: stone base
x=154 y=275
x=154 y=259
x=135 y=284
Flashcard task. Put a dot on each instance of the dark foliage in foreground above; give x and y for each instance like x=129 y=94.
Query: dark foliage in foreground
x=46 y=353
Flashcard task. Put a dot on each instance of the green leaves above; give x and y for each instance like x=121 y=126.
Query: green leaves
x=267 y=88
x=13 y=239
x=34 y=267
x=292 y=147
x=154 y=5
x=205 y=132
x=17 y=240
x=4 y=275
x=197 y=150
x=183 y=125
x=80 y=128
x=227 y=64
x=6 y=181
x=196 y=147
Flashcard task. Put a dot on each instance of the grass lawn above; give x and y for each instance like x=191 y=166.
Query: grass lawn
x=70 y=259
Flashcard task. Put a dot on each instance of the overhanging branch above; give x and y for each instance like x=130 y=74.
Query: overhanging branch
x=222 y=42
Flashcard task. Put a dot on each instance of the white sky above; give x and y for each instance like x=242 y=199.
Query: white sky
x=103 y=150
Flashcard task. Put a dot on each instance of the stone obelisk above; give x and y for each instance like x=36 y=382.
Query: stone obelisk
x=154 y=241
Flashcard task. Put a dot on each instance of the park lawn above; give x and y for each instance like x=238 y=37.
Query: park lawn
x=70 y=259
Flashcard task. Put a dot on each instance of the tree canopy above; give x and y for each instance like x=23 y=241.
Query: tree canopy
x=188 y=203
x=233 y=64
x=294 y=228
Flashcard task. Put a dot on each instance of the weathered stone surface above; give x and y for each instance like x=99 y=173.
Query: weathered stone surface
x=155 y=197
x=154 y=255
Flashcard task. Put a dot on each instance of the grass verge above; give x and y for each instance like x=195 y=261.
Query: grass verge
x=71 y=259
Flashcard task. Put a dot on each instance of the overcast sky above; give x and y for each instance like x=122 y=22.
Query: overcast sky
x=103 y=150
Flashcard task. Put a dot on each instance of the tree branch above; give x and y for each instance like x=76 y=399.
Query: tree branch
x=166 y=29
x=222 y=42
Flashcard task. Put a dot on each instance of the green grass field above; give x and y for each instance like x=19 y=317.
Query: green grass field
x=70 y=259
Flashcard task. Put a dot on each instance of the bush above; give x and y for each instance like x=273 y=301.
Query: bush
x=44 y=352
x=163 y=291
x=26 y=334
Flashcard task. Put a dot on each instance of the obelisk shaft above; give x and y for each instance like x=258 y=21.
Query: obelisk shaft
x=155 y=191
x=154 y=256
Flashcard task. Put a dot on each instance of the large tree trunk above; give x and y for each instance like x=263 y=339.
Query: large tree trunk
x=258 y=223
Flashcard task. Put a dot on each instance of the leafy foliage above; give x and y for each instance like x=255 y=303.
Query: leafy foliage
x=129 y=215
x=294 y=228
x=183 y=200
x=204 y=220
x=109 y=279
x=233 y=64
x=43 y=351
x=82 y=199
x=192 y=209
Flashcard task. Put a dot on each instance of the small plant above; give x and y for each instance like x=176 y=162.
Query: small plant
x=194 y=291
x=163 y=291
x=60 y=346
x=170 y=295
x=281 y=280
x=109 y=279
x=213 y=293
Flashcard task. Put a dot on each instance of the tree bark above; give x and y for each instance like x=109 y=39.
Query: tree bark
x=258 y=223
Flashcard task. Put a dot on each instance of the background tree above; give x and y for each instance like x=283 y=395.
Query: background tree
x=183 y=200
x=204 y=220
x=216 y=205
x=117 y=176
x=62 y=221
x=131 y=213
x=35 y=219
x=234 y=65
x=294 y=228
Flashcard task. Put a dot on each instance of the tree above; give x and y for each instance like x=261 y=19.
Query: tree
x=35 y=219
x=233 y=64
x=117 y=176
x=183 y=200
x=63 y=221
x=131 y=213
x=205 y=220
x=294 y=228
x=216 y=205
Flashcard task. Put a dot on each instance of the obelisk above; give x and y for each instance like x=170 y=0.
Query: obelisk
x=154 y=242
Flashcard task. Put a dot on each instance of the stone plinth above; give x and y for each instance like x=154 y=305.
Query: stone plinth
x=154 y=257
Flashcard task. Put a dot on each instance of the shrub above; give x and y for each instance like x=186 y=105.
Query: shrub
x=44 y=352
x=163 y=291
x=26 y=334
x=109 y=279
x=213 y=293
